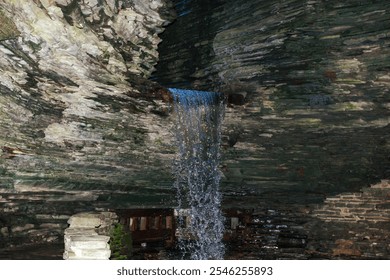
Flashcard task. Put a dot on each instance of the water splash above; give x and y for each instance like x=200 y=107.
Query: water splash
x=198 y=134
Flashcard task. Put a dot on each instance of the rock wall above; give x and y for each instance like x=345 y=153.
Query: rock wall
x=307 y=86
x=356 y=224
x=308 y=110
x=80 y=127
x=307 y=116
x=351 y=225
x=309 y=44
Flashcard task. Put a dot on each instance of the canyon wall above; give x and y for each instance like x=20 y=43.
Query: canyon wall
x=305 y=136
x=308 y=113
x=306 y=82
x=81 y=126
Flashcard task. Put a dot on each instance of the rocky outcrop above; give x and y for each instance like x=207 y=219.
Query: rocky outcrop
x=351 y=225
x=307 y=86
x=78 y=121
x=308 y=44
x=307 y=117
x=308 y=105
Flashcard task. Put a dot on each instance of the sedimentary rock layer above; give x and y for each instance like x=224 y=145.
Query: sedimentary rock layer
x=78 y=120
x=307 y=85
x=308 y=112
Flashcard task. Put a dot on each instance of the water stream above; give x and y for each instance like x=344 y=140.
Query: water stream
x=198 y=134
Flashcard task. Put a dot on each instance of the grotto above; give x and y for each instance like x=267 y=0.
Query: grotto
x=87 y=120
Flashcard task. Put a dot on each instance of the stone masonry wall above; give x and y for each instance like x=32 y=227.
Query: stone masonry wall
x=355 y=225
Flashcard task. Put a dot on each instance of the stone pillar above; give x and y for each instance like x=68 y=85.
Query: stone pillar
x=88 y=235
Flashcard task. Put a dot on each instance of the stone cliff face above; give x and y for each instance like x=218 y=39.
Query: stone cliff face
x=78 y=121
x=307 y=85
x=309 y=105
x=305 y=132
x=290 y=42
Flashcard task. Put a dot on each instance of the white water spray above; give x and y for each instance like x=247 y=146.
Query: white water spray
x=198 y=134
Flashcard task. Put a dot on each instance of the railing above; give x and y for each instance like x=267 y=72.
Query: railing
x=160 y=225
x=149 y=225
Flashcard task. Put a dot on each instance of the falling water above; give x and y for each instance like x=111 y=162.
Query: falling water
x=198 y=132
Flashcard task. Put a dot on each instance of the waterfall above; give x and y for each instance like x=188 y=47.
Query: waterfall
x=198 y=133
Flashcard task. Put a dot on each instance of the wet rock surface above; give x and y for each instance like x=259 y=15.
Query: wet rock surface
x=308 y=107
x=305 y=130
x=80 y=125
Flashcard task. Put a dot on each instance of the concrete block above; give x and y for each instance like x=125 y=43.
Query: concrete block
x=85 y=220
x=86 y=242
x=92 y=254
x=87 y=255
x=80 y=231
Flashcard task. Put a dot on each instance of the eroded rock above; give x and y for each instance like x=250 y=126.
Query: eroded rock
x=79 y=122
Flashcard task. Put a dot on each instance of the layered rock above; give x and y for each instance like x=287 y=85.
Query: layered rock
x=308 y=114
x=307 y=84
x=294 y=42
x=356 y=224
x=78 y=121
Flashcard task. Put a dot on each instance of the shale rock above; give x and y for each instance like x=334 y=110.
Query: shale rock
x=307 y=91
x=307 y=119
x=79 y=122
